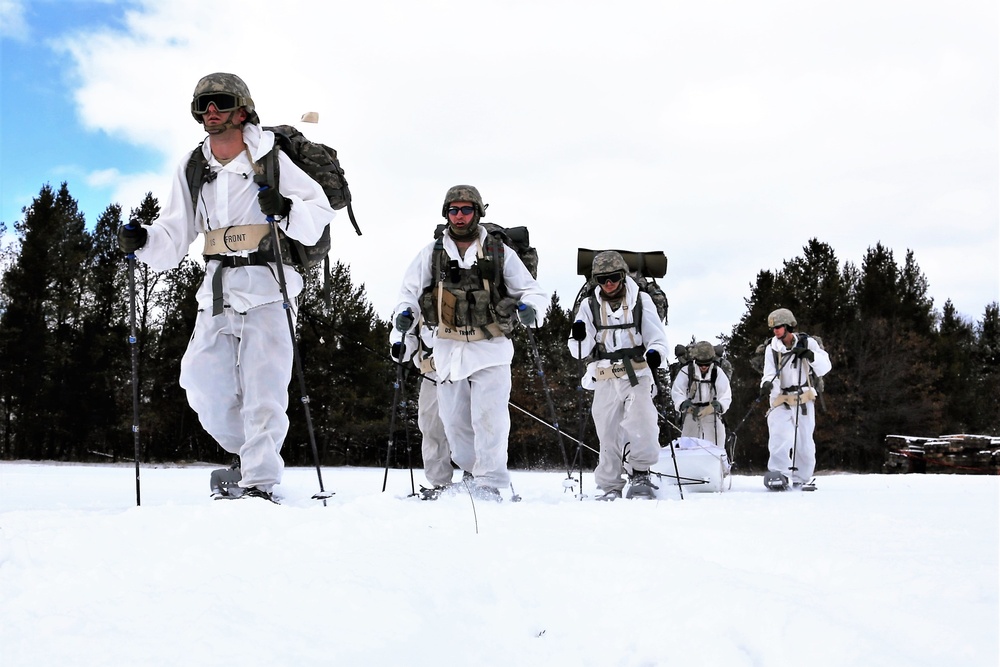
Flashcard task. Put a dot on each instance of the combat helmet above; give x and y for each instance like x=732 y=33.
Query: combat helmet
x=781 y=317
x=467 y=193
x=223 y=82
x=608 y=261
x=703 y=352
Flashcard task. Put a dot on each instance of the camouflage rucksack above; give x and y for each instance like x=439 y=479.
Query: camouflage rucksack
x=757 y=360
x=318 y=161
x=686 y=356
x=644 y=269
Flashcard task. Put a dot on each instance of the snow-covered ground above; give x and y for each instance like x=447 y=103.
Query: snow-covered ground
x=870 y=570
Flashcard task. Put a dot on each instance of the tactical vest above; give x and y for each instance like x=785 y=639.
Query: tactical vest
x=469 y=304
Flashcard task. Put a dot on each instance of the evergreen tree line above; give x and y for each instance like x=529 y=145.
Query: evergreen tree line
x=900 y=367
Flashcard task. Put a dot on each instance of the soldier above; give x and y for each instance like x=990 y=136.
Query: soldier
x=702 y=394
x=791 y=420
x=620 y=322
x=435 y=451
x=473 y=290
x=239 y=360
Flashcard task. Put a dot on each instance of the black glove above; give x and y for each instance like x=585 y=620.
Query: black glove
x=396 y=351
x=131 y=237
x=765 y=389
x=272 y=204
x=804 y=353
x=579 y=331
x=685 y=405
x=653 y=359
x=717 y=407
x=404 y=321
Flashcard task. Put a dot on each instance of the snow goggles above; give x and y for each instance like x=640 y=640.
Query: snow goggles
x=464 y=210
x=613 y=277
x=222 y=101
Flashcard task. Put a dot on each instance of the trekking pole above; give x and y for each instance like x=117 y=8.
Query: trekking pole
x=554 y=428
x=133 y=343
x=798 y=409
x=673 y=453
x=397 y=387
x=581 y=423
x=569 y=482
x=323 y=494
x=406 y=430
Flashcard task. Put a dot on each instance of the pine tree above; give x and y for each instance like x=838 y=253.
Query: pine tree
x=986 y=368
x=344 y=349
x=43 y=292
x=104 y=354
x=956 y=346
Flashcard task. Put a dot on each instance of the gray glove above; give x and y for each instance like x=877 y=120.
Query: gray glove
x=717 y=407
x=404 y=321
x=765 y=389
x=685 y=406
x=526 y=314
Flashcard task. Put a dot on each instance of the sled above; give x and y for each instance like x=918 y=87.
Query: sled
x=701 y=466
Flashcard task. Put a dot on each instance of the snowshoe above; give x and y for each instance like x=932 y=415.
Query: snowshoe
x=432 y=493
x=641 y=486
x=254 y=492
x=775 y=481
x=806 y=486
x=225 y=482
x=610 y=495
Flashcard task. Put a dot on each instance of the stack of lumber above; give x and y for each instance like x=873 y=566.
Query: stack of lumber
x=959 y=454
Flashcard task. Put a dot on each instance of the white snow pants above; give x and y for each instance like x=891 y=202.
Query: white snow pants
x=236 y=372
x=708 y=427
x=477 y=421
x=625 y=420
x=434 y=448
x=790 y=428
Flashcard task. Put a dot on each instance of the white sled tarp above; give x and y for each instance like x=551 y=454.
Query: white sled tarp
x=701 y=466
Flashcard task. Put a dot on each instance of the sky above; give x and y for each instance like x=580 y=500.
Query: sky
x=726 y=134
x=873 y=570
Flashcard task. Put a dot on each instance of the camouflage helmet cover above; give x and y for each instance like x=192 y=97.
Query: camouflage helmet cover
x=467 y=193
x=780 y=317
x=608 y=261
x=704 y=352
x=223 y=82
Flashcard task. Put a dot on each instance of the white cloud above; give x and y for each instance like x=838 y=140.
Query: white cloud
x=12 y=23
x=743 y=128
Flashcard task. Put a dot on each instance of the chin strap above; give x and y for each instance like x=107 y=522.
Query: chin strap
x=228 y=125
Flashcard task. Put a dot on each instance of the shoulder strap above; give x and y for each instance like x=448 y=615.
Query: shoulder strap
x=496 y=250
x=271 y=170
x=197 y=174
x=637 y=313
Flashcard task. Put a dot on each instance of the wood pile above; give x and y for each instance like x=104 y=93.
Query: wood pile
x=958 y=454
